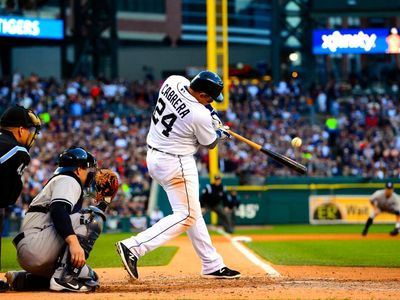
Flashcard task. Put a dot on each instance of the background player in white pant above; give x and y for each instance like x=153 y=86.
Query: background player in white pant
x=181 y=122
x=385 y=200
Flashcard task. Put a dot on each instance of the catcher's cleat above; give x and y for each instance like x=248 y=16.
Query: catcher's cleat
x=71 y=285
x=394 y=232
x=223 y=273
x=10 y=276
x=15 y=280
x=128 y=259
x=4 y=286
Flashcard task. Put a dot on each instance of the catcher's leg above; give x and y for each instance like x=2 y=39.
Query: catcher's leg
x=25 y=281
x=87 y=225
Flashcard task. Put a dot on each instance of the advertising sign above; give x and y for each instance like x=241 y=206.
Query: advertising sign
x=340 y=209
x=358 y=41
x=31 y=28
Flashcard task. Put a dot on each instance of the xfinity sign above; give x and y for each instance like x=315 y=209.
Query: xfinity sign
x=361 y=41
x=31 y=28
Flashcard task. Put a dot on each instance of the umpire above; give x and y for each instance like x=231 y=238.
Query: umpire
x=231 y=206
x=19 y=128
x=213 y=198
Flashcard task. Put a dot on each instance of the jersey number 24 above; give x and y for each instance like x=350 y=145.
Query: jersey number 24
x=167 y=120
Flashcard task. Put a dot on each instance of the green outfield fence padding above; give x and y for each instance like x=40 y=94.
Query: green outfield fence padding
x=277 y=201
x=285 y=200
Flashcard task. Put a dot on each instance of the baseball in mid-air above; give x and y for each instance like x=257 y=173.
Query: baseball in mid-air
x=296 y=142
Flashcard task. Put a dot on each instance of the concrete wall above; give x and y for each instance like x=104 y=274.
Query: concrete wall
x=46 y=61
x=132 y=59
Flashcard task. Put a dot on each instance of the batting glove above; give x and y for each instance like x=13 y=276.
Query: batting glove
x=216 y=121
x=222 y=133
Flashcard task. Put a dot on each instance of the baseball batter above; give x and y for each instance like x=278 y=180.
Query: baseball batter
x=181 y=122
x=56 y=235
x=385 y=200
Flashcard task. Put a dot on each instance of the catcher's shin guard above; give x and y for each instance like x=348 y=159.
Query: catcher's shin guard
x=93 y=219
x=94 y=226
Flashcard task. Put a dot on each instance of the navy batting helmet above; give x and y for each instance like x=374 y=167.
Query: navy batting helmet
x=209 y=83
x=74 y=158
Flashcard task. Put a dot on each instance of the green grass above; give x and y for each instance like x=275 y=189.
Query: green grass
x=302 y=229
x=103 y=255
x=366 y=253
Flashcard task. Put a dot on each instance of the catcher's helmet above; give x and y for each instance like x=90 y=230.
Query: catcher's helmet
x=209 y=83
x=73 y=158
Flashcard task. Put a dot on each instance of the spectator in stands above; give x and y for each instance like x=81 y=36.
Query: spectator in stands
x=112 y=117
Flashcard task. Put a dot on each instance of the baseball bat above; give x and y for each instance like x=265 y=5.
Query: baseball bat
x=282 y=159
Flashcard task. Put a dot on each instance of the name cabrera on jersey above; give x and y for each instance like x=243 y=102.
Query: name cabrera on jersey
x=179 y=122
x=62 y=188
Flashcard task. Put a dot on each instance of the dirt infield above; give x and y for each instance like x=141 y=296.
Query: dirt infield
x=181 y=279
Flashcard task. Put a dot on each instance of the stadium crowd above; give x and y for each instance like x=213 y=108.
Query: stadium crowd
x=347 y=129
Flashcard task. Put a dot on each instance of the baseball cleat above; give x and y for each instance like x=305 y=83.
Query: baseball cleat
x=11 y=277
x=223 y=273
x=394 y=232
x=4 y=286
x=128 y=259
x=71 y=285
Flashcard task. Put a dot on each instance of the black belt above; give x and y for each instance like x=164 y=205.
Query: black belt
x=155 y=149
x=18 y=238
x=37 y=208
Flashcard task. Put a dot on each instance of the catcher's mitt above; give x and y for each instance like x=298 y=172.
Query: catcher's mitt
x=106 y=182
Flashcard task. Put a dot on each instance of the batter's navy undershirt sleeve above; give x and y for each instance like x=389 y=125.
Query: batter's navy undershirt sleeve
x=60 y=212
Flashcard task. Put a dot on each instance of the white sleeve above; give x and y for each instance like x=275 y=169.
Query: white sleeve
x=203 y=129
x=66 y=189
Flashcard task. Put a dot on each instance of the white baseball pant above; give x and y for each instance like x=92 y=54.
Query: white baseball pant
x=178 y=176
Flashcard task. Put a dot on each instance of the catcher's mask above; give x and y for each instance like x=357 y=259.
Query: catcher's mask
x=74 y=158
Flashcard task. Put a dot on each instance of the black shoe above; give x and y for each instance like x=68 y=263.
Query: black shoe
x=394 y=232
x=72 y=285
x=224 y=273
x=4 y=286
x=364 y=232
x=15 y=280
x=128 y=259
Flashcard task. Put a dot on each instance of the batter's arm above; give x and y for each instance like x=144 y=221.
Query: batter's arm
x=213 y=144
x=222 y=134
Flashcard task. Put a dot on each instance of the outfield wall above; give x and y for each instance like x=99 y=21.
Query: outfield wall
x=287 y=200
x=336 y=200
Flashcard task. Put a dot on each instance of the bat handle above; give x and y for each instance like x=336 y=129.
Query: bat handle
x=243 y=139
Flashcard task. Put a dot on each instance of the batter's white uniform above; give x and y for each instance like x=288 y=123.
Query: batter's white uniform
x=179 y=125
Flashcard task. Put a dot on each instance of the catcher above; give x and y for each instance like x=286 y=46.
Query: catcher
x=57 y=235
